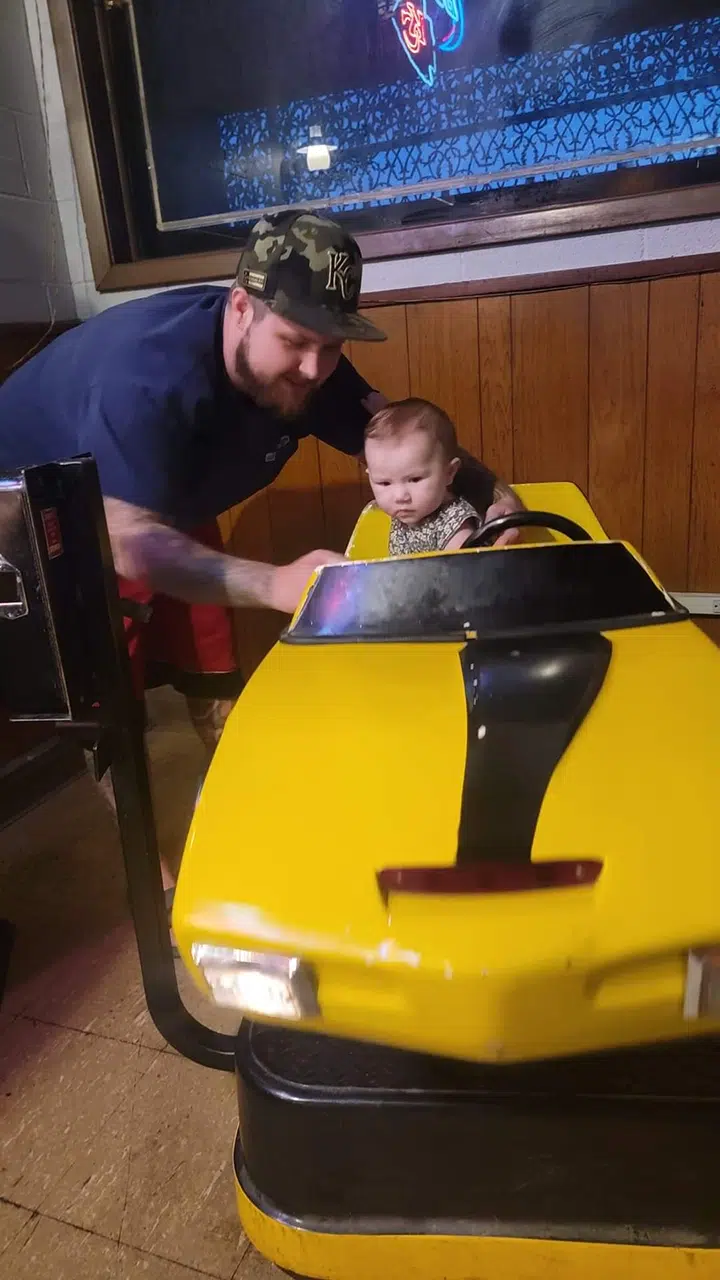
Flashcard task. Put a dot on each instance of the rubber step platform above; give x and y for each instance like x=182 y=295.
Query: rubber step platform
x=339 y=1136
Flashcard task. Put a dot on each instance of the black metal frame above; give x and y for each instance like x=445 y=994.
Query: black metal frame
x=103 y=717
x=123 y=745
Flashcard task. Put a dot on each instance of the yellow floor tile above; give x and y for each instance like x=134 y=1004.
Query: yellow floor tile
x=144 y=1266
x=49 y=1250
x=58 y=1089
x=92 y=1191
x=254 y=1267
x=96 y=988
x=62 y=883
x=45 y=1248
x=180 y=1196
x=12 y=1221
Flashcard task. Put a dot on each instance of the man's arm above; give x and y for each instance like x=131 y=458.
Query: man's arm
x=137 y=434
x=474 y=482
x=490 y=496
x=482 y=488
x=143 y=546
x=505 y=497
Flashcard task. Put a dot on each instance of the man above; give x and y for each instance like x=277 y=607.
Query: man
x=190 y=401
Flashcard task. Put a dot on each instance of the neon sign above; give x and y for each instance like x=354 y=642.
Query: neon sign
x=416 y=33
x=414 y=27
x=425 y=27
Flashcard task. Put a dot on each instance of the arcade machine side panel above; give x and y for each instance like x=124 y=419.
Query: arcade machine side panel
x=64 y=662
x=34 y=759
x=33 y=683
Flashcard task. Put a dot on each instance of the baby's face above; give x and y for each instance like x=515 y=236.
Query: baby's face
x=410 y=477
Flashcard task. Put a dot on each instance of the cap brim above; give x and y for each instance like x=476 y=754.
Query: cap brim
x=349 y=326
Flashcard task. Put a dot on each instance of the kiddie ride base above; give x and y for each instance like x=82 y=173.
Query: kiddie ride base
x=419 y=1147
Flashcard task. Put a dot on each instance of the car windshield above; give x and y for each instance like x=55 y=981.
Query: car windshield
x=518 y=591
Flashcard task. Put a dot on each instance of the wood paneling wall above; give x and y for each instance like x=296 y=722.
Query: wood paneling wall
x=613 y=386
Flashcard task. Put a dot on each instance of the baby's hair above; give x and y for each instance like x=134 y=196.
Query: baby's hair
x=401 y=418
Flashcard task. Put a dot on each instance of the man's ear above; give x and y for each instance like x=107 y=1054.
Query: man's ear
x=241 y=307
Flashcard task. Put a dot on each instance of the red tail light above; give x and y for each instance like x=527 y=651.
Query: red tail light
x=488 y=877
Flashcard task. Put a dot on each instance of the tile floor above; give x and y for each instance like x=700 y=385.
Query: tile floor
x=114 y=1150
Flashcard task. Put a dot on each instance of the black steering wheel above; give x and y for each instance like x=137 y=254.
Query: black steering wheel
x=521 y=519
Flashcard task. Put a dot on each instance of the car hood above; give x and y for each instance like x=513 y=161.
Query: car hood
x=342 y=759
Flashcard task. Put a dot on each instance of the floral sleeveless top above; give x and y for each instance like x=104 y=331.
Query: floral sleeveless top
x=435 y=531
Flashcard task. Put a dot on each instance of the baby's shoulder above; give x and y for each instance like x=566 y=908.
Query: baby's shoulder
x=460 y=509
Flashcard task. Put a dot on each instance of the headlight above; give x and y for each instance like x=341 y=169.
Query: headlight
x=258 y=983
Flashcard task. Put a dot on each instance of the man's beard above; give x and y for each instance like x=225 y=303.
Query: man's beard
x=275 y=395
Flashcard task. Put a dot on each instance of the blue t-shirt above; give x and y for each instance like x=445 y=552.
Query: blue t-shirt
x=143 y=388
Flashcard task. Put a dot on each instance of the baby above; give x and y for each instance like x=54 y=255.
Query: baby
x=411 y=457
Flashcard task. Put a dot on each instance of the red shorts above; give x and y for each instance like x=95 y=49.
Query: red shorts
x=189 y=646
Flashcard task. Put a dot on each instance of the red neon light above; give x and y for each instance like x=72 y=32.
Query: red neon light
x=412 y=21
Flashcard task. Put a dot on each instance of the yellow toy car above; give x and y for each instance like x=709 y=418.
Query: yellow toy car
x=468 y=805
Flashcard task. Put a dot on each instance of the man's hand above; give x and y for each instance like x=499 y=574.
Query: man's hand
x=288 y=581
x=504 y=507
x=374 y=402
x=505 y=502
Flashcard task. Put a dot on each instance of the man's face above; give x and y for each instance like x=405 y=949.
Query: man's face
x=277 y=363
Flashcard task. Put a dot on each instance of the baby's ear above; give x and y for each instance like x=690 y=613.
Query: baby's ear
x=453 y=469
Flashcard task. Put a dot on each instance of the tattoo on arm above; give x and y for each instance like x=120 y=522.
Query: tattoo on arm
x=144 y=547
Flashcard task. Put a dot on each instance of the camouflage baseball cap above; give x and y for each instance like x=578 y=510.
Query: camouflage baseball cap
x=308 y=270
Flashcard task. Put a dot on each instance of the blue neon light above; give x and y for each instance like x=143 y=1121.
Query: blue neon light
x=455 y=9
